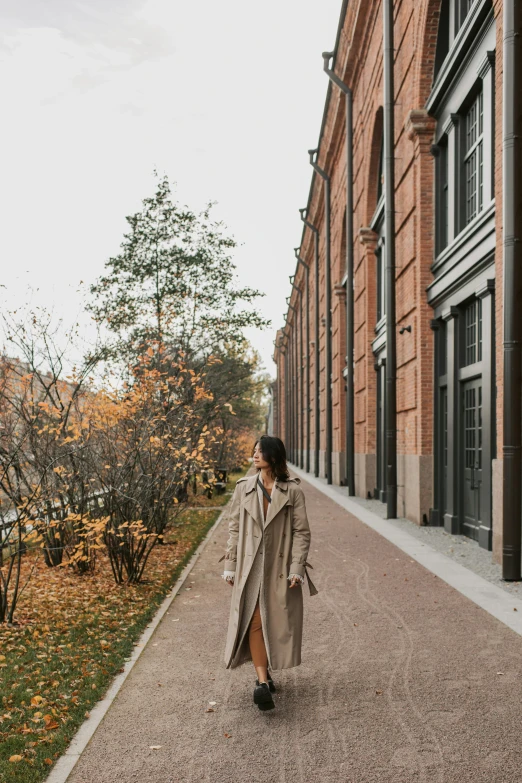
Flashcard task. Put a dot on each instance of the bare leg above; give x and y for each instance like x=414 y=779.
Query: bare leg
x=257 y=646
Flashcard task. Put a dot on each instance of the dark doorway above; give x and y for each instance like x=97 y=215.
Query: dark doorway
x=380 y=490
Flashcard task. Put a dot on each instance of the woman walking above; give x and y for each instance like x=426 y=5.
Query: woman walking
x=265 y=563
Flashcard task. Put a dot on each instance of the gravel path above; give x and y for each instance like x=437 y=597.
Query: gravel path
x=403 y=680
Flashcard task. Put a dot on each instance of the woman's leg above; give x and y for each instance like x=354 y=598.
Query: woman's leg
x=257 y=646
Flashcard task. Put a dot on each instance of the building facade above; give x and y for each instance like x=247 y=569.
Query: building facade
x=448 y=274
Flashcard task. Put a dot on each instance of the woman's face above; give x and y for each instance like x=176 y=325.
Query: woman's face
x=259 y=460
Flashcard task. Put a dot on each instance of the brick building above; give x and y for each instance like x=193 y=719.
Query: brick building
x=425 y=185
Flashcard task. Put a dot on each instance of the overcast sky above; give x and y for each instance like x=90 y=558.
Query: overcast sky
x=225 y=97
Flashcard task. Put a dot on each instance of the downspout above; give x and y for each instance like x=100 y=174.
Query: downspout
x=278 y=408
x=307 y=406
x=389 y=250
x=328 y=315
x=301 y=379
x=286 y=354
x=317 y=407
x=277 y=346
x=290 y=392
x=295 y=389
x=512 y=241
x=350 y=418
x=290 y=386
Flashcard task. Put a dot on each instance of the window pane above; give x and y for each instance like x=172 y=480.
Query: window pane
x=473 y=160
x=442 y=200
x=443 y=348
x=473 y=336
x=463 y=9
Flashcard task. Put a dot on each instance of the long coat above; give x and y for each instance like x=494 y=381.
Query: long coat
x=285 y=537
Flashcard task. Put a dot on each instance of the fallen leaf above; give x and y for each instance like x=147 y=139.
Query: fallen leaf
x=500 y=672
x=53 y=724
x=155 y=747
x=227 y=735
x=212 y=703
x=378 y=692
x=19 y=758
x=210 y=709
x=36 y=700
x=48 y=761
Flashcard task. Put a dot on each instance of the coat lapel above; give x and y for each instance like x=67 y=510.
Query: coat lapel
x=279 y=499
x=251 y=502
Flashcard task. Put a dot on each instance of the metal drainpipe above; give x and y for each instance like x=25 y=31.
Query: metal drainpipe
x=350 y=417
x=289 y=392
x=307 y=406
x=278 y=407
x=286 y=354
x=328 y=314
x=290 y=380
x=389 y=250
x=317 y=406
x=512 y=241
x=301 y=379
x=295 y=389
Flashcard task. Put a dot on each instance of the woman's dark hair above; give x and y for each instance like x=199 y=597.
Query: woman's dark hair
x=274 y=452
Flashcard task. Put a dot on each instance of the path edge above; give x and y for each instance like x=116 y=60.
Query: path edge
x=68 y=760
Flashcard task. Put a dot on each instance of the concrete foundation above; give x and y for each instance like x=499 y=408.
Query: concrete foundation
x=496 y=516
x=365 y=474
x=338 y=467
x=415 y=486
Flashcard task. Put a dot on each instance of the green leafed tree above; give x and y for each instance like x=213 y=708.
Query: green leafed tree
x=173 y=283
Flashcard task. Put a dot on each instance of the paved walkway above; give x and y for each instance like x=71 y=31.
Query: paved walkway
x=404 y=679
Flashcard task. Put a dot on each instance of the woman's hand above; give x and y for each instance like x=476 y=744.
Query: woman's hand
x=295 y=581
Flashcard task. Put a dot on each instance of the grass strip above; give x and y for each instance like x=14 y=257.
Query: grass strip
x=73 y=635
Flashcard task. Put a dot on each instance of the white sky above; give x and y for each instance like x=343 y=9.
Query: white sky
x=225 y=97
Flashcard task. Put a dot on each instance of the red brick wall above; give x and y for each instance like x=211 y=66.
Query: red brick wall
x=359 y=62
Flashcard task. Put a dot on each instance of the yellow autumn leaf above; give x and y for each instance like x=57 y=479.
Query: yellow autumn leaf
x=15 y=758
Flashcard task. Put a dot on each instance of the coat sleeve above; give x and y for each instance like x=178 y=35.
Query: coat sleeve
x=233 y=530
x=300 y=535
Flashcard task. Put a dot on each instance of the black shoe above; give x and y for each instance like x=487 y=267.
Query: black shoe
x=263 y=697
x=271 y=684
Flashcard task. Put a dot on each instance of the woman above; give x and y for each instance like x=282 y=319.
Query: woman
x=265 y=563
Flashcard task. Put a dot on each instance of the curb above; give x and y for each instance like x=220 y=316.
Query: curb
x=66 y=763
x=491 y=598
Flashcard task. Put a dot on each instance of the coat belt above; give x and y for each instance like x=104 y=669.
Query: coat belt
x=311 y=587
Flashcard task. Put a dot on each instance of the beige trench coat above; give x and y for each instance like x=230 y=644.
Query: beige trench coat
x=286 y=540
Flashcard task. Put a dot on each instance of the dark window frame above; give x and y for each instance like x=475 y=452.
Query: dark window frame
x=441 y=195
x=465 y=153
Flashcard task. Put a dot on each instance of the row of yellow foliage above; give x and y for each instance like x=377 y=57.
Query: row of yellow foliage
x=85 y=467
